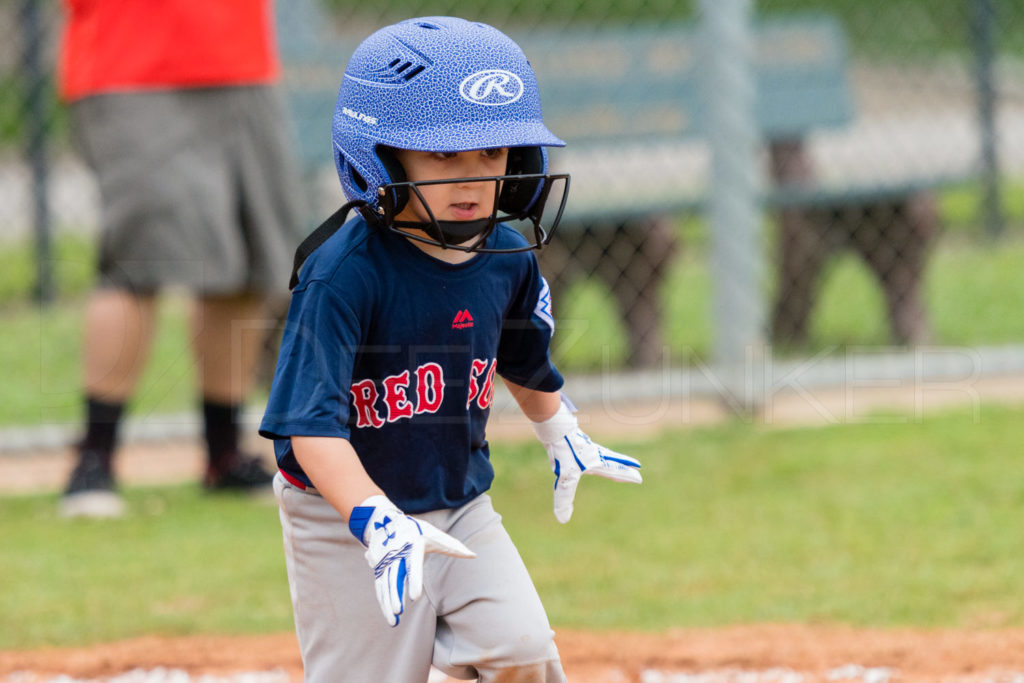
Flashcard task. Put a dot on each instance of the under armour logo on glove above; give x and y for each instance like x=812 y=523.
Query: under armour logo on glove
x=376 y=523
x=378 y=526
x=572 y=454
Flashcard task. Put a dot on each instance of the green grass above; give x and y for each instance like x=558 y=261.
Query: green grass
x=870 y=525
x=41 y=357
x=181 y=563
x=961 y=207
x=70 y=262
x=886 y=523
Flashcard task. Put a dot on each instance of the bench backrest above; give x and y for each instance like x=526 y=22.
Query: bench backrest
x=621 y=85
x=644 y=82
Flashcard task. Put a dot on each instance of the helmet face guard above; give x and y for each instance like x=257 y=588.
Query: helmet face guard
x=471 y=236
x=443 y=84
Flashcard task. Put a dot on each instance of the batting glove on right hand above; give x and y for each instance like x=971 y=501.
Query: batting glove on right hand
x=395 y=546
x=572 y=454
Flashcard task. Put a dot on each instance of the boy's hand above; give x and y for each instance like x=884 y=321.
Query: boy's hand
x=395 y=546
x=572 y=454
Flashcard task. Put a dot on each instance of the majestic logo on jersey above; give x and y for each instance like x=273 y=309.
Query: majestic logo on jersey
x=462 y=320
x=417 y=392
x=492 y=87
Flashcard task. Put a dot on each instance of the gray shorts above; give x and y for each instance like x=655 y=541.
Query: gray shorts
x=199 y=188
x=479 y=618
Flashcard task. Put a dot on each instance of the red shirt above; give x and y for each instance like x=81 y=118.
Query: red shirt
x=122 y=45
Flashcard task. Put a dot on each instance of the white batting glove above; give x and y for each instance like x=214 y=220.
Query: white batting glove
x=572 y=454
x=395 y=545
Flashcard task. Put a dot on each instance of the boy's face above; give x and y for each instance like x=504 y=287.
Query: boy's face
x=452 y=201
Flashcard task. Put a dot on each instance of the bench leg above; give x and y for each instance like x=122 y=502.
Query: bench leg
x=895 y=239
x=635 y=272
x=803 y=246
x=802 y=253
x=630 y=258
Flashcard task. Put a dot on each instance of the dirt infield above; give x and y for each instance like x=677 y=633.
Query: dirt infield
x=740 y=653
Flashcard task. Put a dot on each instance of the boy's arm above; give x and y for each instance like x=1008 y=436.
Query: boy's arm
x=335 y=470
x=536 y=405
x=395 y=543
x=570 y=451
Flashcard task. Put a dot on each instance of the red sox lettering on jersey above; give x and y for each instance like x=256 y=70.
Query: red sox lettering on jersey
x=417 y=392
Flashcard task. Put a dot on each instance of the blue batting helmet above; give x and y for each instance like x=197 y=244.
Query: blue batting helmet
x=438 y=84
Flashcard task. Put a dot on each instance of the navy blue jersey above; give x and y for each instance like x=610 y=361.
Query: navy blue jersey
x=397 y=352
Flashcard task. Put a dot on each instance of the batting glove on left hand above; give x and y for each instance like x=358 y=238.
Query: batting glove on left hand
x=572 y=454
x=395 y=546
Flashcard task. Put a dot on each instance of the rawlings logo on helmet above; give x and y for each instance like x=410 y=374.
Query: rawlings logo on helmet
x=492 y=87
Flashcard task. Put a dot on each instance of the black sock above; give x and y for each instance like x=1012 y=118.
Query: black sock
x=102 y=422
x=220 y=421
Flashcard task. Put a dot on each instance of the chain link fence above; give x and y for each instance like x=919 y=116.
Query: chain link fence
x=879 y=145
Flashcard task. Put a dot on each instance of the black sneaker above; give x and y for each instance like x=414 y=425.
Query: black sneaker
x=90 y=491
x=245 y=473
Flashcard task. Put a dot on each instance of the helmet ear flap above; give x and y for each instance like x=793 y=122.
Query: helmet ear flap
x=351 y=179
x=518 y=196
x=396 y=173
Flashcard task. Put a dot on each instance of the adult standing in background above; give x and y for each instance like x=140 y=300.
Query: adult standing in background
x=174 y=107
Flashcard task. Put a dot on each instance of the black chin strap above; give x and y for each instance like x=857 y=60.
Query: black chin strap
x=450 y=232
x=318 y=237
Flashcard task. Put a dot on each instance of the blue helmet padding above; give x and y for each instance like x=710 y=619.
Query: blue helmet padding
x=439 y=84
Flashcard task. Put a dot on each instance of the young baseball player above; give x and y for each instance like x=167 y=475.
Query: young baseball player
x=399 y=322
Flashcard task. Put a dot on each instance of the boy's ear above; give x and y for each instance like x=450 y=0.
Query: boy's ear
x=517 y=196
x=396 y=173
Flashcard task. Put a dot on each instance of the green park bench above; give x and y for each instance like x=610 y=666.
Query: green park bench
x=628 y=100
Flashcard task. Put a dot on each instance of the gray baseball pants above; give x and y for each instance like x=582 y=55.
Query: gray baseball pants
x=479 y=618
